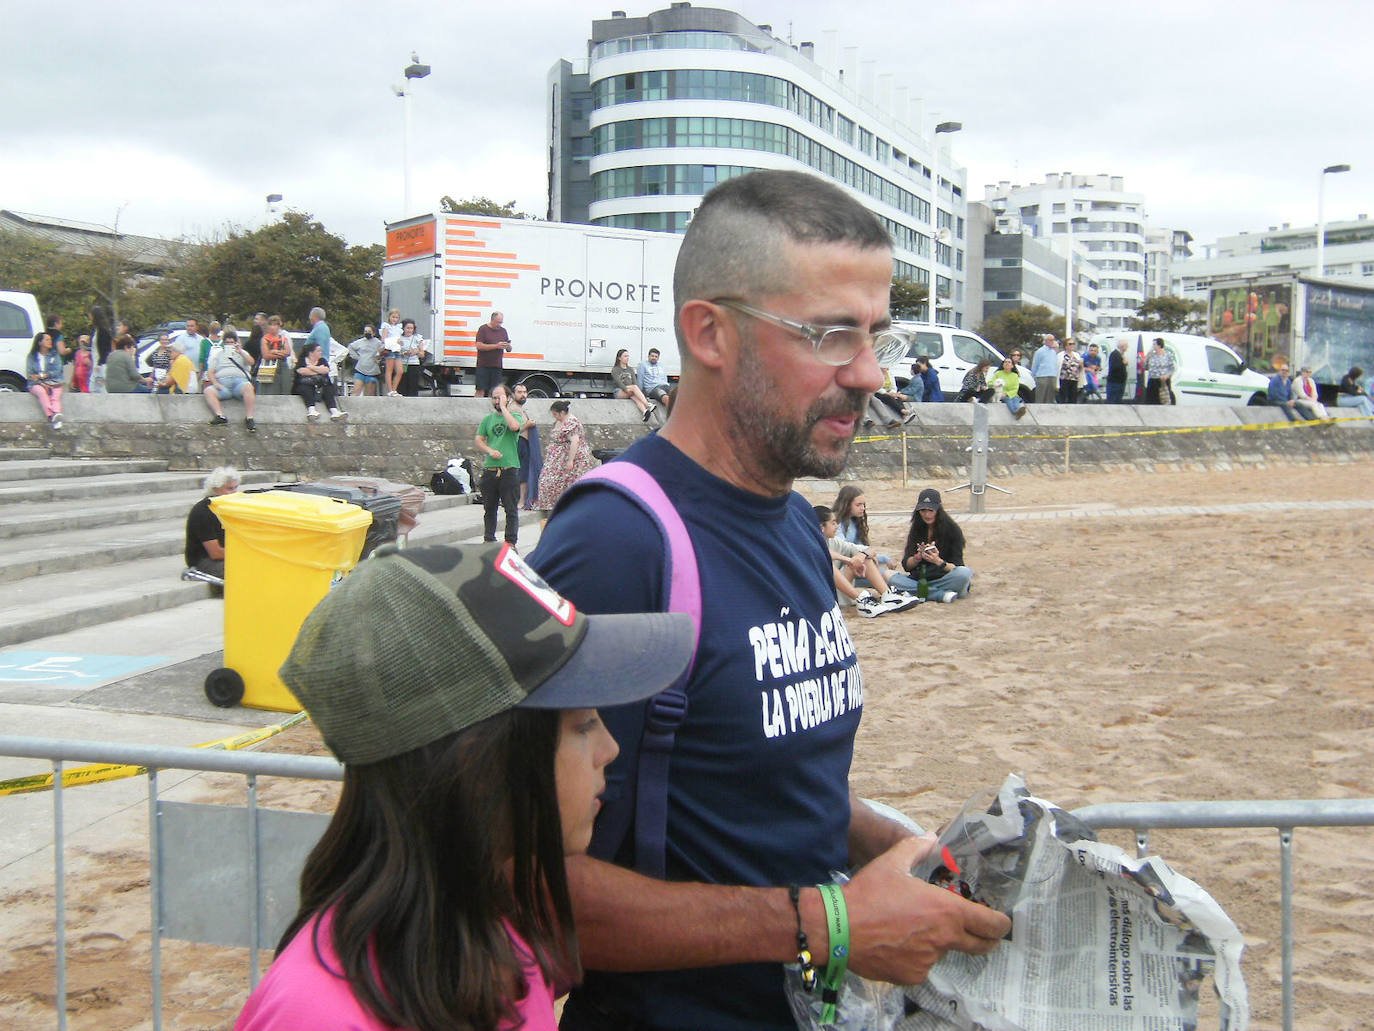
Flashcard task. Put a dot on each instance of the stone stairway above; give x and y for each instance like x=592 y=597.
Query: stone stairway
x=87 y=542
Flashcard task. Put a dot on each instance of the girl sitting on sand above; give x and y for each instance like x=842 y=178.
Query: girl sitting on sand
x=473 y=758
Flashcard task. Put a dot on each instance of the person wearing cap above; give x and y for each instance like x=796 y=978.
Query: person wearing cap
x=686 y=916
x=473 y=760
x=934 y=552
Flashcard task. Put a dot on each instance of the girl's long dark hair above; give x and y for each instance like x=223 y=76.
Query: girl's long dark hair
x=38 y=339
x=429 y=857
x=919 y=533
x=844 y=505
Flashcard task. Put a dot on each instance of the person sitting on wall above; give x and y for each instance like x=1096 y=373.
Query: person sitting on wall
x=1306 y=396
x=121 y=370
x=204 y=550
x=1281 y=388
x=314 y=385
x=975 y=386
x=625 y=385
x=1006 y=387
x=1350 y=393
x=229 y=374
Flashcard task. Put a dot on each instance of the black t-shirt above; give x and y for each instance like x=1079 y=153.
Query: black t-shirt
x=950 y=541
x=1116 y=368
x=201 y=525
x=253 y=345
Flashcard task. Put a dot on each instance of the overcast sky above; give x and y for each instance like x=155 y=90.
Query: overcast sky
x=182 y=117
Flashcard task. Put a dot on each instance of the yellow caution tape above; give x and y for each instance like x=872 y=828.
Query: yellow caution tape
x=1258 y=426
x=99 y=772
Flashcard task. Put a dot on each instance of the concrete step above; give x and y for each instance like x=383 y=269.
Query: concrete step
x=98 y=488
x=20 y=454
x=49 y=468
x=72 y=589
x=56 y=602
x=61 y=538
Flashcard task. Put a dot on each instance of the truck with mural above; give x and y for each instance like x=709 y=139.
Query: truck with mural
x=571 y=296
x=1324 y=324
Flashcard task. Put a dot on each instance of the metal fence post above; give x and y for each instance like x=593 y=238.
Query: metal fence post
x=155 y=892
x=59 y=841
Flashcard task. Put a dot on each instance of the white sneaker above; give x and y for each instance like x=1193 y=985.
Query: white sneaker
x=337 y=416
x=896 y=594
x=311 y=415
x=949 y=597
x=648 y=412
x=56 y=420
x=869 y=606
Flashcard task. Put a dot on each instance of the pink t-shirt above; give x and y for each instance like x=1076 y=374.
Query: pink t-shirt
x=305 y=988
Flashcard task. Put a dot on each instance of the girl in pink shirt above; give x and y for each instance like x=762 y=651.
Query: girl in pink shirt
x=473 y=761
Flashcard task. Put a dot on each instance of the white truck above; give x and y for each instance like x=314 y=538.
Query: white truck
x=571 y=296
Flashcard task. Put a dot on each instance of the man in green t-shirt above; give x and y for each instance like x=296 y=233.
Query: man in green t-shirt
x=497 y=436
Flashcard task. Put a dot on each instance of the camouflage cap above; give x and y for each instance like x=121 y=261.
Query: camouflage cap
x=419 y=643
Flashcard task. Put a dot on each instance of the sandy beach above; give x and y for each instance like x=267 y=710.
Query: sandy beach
x=1104 y=655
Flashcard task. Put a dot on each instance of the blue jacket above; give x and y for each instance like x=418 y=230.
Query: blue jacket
x=40 y=365
x=932 y=381
x=1280 y=389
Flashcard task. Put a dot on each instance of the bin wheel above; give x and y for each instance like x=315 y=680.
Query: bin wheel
x=224 y=687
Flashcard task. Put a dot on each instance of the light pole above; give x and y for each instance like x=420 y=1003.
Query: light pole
x=414 y=70
x=940 y=127
x=1321 y=214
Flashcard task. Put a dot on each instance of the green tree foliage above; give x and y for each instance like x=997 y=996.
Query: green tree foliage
x=481 y=206
x=1169 y=315
x=69 y=284
x=908 y=299
x=285 y=268
x=1022 y=327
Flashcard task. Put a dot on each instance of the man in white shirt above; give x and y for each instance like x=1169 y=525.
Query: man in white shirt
x=188 y=342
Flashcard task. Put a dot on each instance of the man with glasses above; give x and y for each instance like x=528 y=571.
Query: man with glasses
x=781 y=293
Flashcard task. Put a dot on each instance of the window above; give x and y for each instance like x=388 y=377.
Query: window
x=1221 y=360
x=14 y=322
x=1058 y=209
x=1367 y=268
x=1060 y=227
x=927 y=345
x=970 y=349
x=1011 y=262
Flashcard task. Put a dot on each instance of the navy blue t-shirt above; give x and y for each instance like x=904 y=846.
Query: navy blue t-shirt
x=759 y=777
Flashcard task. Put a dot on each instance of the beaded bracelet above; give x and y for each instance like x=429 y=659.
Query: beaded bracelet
x=808 y=971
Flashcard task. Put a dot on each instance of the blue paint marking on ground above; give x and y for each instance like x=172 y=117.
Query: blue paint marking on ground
x=63 y=669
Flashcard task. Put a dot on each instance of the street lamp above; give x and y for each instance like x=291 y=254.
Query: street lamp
x=1321 y=214
x=940 y=127
x=414 y=70
x=272 y=198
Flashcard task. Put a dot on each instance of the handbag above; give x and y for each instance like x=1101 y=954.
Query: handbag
x=267 y=370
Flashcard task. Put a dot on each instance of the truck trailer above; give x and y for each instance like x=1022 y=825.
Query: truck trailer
x=571 y=296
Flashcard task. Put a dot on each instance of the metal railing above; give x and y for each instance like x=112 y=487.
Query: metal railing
x=153 y=758
x=1138 y=817
x=1284 y=817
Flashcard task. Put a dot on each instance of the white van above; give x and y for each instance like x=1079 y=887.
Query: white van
x=952 y=352
x=1206 y=371
x=20 y=320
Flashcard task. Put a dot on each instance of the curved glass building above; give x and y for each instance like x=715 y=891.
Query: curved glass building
x=667 y=105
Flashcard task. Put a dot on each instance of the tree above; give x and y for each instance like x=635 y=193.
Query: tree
x=285 y=268
x=1169 y=315
x=1022 y=327
x=908 y=299
x=481 y=206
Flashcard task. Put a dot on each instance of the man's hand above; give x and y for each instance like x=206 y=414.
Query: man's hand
x=506 y=345
x=900 y=926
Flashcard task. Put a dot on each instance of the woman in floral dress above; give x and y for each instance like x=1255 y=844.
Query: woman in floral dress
x=566 y=458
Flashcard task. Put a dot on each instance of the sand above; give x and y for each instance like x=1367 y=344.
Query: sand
x=1104 y=658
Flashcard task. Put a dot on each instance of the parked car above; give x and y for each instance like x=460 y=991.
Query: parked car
x=1206 y=371
x=952 y=352
x=20 y=319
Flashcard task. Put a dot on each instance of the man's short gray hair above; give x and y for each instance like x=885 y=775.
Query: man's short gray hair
x=317 y=313
x=736 y=244
x=219 y=478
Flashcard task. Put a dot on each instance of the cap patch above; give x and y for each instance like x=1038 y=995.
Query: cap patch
x=510 y=565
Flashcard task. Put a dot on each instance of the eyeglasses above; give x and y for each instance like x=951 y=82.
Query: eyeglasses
x=833 y=345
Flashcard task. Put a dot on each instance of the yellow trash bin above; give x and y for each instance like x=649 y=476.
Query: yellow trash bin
x=282 y=550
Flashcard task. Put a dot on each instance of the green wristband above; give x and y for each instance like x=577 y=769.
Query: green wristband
x=837 y=955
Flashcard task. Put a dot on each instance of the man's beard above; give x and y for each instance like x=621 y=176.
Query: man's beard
x=787 y=450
